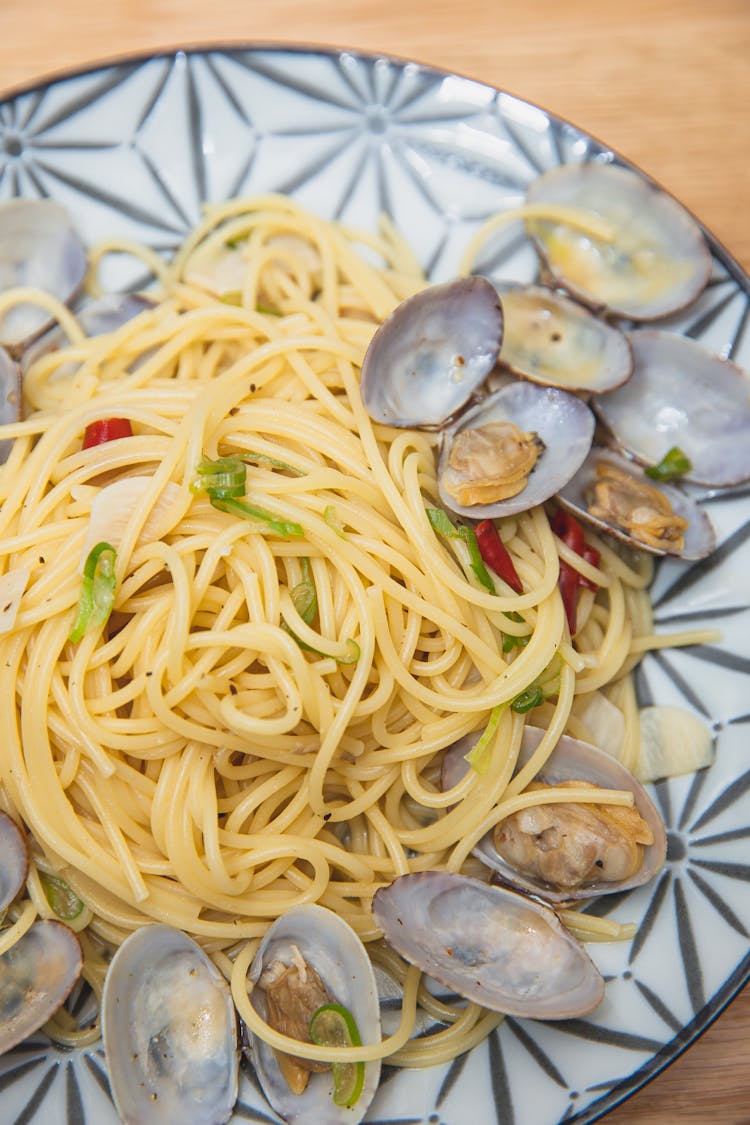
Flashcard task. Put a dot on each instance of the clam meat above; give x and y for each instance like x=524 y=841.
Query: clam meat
x=310 y=957
x=616 y=496
x=170 y=1032
x=492 y=945
x=554 y=340
x=513 y=450
x=681 y=396
x=432 y=353
x=565 y=851
x=37 y=974
x=657 y=261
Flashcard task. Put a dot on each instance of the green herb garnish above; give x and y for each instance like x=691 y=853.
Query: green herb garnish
x=333 y=1025
x=61 y=897
x=97 y=590
x=223 y=481
x=443 y=526
x=673 y=464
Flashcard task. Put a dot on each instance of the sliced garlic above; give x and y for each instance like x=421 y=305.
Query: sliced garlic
x=673 y=742
x=113 y=506
x=603 y=721
x=12 y=587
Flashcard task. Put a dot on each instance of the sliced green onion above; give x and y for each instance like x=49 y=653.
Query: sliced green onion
x=335 y=524
x=673 y=464
x=527 y=700
x=443 y=526
x=97 y=590
x=61 y=897
x=286 y=529
x=265 y=461
x=304 y=597
x=221 y=479
x=267 y=309
x=511 y=641
x=232 y=297
x=333 y=1025
x=480 y=754
x=546 y=684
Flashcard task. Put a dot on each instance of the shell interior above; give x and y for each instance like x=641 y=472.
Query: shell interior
x=329 y=944
x=38 y=248
x=170 y=1032
x=699 y=536
x=37 y=975
x=492 y=945
x=571 y=760
x=431 y=354
x=681 y=395
x=553 y=340
x=563 y=422
x=14 y=860
x=658 y=260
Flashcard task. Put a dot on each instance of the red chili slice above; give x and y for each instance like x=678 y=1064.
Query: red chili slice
x=495 y=554
x=568 y=583
x=106 y=429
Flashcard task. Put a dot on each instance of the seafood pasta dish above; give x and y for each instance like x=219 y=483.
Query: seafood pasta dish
x=321 y=590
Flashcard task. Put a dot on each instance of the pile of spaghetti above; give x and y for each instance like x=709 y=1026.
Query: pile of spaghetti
x=291 y=645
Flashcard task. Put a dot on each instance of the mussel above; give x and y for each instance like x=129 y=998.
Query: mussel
x=495 y=946
x=170 y=1032
x=310 y=957
x=564 y=852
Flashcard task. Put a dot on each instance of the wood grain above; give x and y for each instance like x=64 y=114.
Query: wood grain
x=665 y=82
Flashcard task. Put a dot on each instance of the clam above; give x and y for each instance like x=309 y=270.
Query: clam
x=14 y=860
x=39 y=248
x=37 y=975
x=554 y=340
x=10 y=397
x=680 y=395
x=515 y=449
x=310 y=957
x=658 y=260
x=563 y=852
x=431 y=354
x=490 y=944
x=97 y=318
x=170 y=1032
x=615 y=495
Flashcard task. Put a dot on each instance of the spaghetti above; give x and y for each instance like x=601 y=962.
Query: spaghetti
x=217 y=753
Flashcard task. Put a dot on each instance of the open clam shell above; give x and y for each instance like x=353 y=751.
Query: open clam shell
x=430 y=355
x=554 y=340
x=658 y=261
x=681 y=395
x=38 y=248
x=490 y=944
x=37 y=975
x=564 y=424
x=328 y=944
x=170 y=1032
x=571 y=760
x=14 y=860
x=575 y=496
x=10 y=397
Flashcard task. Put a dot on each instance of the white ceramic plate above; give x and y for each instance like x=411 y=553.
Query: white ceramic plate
x=132 y=149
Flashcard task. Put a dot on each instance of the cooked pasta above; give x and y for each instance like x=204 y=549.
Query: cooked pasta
x=216 y=754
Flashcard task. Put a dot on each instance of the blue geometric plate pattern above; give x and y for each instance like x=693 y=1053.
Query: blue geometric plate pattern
x=134 y=149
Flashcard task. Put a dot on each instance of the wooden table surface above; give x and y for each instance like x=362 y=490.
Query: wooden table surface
x=665 y=83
